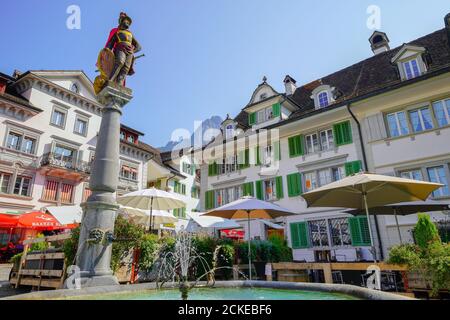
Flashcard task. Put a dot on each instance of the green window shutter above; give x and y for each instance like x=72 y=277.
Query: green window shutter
x=209 y=200
x=276 y=110
x=295 y=146
x=257 y=155
x=183 y=212
x=353 y=167
x=183 y=189
x=365 y=233
x=213 y=169
x=359 y=231
x=342 y=133
x=295 y=239
x=277 y=150
x=279 y=186
x=247 y=158
x=248 y=190
x=244 y=159
x=303 y=235
x=252 y=118
x=299 y=235
x=259 y=190
x=294 y=185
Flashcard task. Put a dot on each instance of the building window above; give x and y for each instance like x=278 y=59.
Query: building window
x=412 y=174
x=81 y=126
x=437 y=175
x=227 y=195
x=128 y=172
x=229 y=165
x=122 y=135
x=319 y=233
x=268 y=156
x=322 y=97
x=421 y=119
x=5 y=178
x=195 y=192
x=55 y=190
x=442 y=112
x=229 y=131
x=315 y=179
x=75 y=88
x=326 y=139
x=265 y=114
x=411 y=69
x=86 y=193
x=131 y=139
x=188 y=168
x=397 y=123
x=58 y=118
x=312 y=143
x=21 y=142
x=22 y=187
x=64 y=154
x=340 y=232
x=270 y=192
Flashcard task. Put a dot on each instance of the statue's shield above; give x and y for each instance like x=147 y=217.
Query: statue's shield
x=105 y=62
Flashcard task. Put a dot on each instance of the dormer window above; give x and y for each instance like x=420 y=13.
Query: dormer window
x=323 y=99
x=411 y=69
x=322 y=96
x=410 y=62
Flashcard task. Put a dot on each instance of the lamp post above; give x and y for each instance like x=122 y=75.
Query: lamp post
x=100 y=210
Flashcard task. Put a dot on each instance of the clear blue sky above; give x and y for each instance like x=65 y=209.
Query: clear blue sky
x=205 y=57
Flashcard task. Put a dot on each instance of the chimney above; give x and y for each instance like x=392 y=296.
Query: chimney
x=447 y=26
x=289 y=84
x=379 y=42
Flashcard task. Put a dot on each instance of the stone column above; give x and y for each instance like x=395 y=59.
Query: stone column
x=99 y=212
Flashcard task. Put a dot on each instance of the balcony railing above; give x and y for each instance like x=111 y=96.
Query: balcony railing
x=57 y=161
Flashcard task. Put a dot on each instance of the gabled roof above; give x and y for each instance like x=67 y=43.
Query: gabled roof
x=370 y=76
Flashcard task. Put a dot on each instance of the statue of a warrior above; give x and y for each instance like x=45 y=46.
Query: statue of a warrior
x=116 y=60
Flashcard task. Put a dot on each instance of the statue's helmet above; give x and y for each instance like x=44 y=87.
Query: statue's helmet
x=124 y=16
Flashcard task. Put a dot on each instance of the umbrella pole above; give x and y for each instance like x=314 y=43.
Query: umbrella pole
x=398 y=226
x=151 y=215
x=249 y=249
x=374 y=252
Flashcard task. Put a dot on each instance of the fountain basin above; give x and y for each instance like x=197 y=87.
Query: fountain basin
x=231 y=290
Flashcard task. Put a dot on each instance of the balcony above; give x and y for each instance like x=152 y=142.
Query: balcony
x=56 y=165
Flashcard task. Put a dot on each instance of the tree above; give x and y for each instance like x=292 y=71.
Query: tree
x=425 y=231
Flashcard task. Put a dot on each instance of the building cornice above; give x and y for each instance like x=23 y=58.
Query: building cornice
x=31 y=80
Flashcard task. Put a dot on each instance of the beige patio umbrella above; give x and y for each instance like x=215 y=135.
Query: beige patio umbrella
x=365 y=191
x=151 y=199
x=246 y=208
x=142 y=216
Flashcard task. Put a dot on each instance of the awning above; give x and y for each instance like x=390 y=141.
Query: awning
x=213 y=222
x=272 y=225
x=66 y=215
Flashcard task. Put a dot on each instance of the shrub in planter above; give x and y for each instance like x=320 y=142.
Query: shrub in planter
x=148 y=248
x=425 y=231
x=281 y=251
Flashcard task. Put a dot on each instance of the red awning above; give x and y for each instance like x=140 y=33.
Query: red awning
x=38 y=221
x=8 y=220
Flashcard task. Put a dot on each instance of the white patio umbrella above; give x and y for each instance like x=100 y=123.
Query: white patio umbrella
x=246 y=208
x=151 y=199
x=142 y=216
x=365 y=191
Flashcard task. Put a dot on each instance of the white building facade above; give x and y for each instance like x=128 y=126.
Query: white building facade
x=388 y=114
x=49 y=121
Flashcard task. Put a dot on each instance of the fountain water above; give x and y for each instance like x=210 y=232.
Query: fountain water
x=182 y=263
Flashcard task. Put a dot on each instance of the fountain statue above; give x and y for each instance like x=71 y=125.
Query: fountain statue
x=100 y=210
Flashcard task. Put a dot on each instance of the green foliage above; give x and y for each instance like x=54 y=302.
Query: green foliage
x=40 y=246
x=273 y=250
x=425 y=231
x=15 y=259
x=149 y=246
x=226 y=259
x=430 y=257
x=128 y=236
x=70 y=246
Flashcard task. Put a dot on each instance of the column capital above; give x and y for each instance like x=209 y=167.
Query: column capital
x=115 y=96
